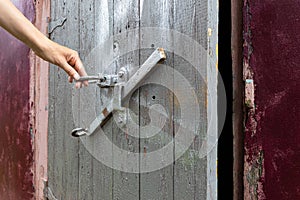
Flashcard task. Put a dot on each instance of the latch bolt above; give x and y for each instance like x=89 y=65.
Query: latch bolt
x=123 y=88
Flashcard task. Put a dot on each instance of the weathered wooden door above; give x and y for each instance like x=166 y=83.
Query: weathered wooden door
x=173 y=159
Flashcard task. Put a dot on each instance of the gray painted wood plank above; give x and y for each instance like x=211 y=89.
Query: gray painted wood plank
x=212 y=82
x=103 y=175
x=126 y=18
x=52 y=125
x=53 y=170
x=157 y=184
x=200 y=85
x=184 y=179
x=191 y=171
x=87 y=43
x=63 y=179
x=103 y=29
x=70 y=164
x=86 y=31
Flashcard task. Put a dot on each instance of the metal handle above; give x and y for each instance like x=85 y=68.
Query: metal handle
x=122 y=90
x=92 y=79
x=78 y=132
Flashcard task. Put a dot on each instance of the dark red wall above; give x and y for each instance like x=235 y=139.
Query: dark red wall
x=16 y=153
x=272 y=140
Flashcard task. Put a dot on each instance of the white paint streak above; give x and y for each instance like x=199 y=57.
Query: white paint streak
x=103 y=30
x=141 y=7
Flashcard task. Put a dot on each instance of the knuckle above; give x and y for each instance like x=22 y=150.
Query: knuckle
x=70 y=72
x=75 y=54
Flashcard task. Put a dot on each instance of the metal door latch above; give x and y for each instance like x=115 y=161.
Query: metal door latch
x=123 y=88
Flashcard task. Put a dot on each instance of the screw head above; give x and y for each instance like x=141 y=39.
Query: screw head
x=121 y=74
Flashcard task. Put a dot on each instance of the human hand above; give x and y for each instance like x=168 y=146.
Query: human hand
x=18 y=25
x=65 y=58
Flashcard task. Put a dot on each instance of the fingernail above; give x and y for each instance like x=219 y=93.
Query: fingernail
x=76 y=76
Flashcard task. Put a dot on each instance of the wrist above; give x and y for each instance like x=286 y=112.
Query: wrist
x=44 y=47
x=40 y=43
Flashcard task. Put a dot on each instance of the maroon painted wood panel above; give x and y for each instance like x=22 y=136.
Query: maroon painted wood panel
x=272 y=138
x=16 y=152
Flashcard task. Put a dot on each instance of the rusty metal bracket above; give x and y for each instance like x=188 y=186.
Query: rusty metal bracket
x=123 y=89
x=56 y=23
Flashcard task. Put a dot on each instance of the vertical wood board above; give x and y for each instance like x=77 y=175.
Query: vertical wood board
x=74 y=173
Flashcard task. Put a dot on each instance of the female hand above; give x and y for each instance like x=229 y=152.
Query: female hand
x=65 y=58
x=18 y=25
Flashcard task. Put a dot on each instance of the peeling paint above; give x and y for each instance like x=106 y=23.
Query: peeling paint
x=39 y=106
x=271 y=59
x=249 y=93
x=16 y=174
x=253 y=166
x=209 y=32
x=254 y=178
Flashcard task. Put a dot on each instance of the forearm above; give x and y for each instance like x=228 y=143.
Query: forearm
x=18 y=25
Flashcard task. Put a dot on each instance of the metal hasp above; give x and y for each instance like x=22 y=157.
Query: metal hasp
x=122 y=91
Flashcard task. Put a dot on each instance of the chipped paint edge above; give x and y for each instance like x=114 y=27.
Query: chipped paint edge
x=39 y=73
x=254 y=157
x=212 y=82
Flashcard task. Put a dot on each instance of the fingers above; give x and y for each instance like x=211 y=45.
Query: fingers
x=80 y=69
x=73 y=74
x=70 y=79
x=78 y=85
x=73 y=67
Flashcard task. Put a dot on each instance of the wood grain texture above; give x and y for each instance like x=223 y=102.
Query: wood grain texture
x=87 y=42
x=126 y=18
x=73 y=172
x=190 y=171
x=63 y=151
x=16 y=128
x=157 y=184
x=103 y=28
x=212 y=108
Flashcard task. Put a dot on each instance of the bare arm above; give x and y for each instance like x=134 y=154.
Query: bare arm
x=18 y=25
